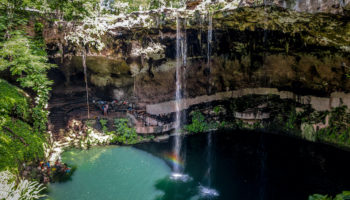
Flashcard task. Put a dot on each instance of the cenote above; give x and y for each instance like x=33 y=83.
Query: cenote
x=175 y=99
x=244 y=165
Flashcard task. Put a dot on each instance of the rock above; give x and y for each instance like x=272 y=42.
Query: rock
x=302 y=54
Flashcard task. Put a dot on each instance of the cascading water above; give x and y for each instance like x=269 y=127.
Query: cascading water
x=181 y=54
x=207 y=191
x=86 y=84
x=210 y=38
x=297 y=6
x=177 y=146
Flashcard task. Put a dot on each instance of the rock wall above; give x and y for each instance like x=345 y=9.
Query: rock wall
x=310 y=6
x=271 y=47
x=335 y=100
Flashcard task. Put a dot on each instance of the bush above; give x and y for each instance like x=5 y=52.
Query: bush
x=345 y=195
x=198 y=125
x=338 y=131
x=217 y=109
x=103 y=123
x=18 y=143
x=124 y=134
x=13 y=102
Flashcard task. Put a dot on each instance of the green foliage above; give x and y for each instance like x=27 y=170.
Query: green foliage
x=154 y=4
x=22 y=119
x=18 y=143
x=319 y=197
x=136 y=5
x=150 y=137
x=38 y=28
x=338 y=131
x=13 y=102
x=340 y=118
x=345 y=195
x=29 y=63
x=103 y=123
x=63 y=9
x=198 y=125
x=239 y=124
x=217 y=109
x=291 y=125
x=124 y=134
x=72 y=10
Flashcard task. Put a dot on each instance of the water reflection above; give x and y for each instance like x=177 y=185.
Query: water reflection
x=254 y=166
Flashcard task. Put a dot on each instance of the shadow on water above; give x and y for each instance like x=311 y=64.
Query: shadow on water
x=243 y=165
x=262 y=177
x=254 y=166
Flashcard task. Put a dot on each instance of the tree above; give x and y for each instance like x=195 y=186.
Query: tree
x=29 y=64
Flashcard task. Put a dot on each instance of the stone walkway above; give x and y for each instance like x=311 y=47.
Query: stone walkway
x=336 y=99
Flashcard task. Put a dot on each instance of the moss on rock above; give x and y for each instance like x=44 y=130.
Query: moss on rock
x=19 y=143
x=13 y=101
x=315 y=29
x=102 y=65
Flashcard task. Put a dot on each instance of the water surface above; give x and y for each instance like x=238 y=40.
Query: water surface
x=122 y=173
x=241 y=165
x=247 y=165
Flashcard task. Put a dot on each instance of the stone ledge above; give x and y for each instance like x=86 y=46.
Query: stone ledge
x=336 y=99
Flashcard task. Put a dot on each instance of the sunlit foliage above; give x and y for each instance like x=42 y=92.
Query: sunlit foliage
x=24 y=190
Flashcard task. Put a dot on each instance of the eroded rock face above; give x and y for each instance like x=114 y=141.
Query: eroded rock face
x=310 y=6
x=252 y=47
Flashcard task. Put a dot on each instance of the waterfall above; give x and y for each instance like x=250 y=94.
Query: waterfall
x=206 y=191
x=308 y=6
x=297 y=6
x=181 y=51
x=209 y=40
x=284 y=5
x=210 y=36
x=181 y=62
x=86 y=84
x=209 y=158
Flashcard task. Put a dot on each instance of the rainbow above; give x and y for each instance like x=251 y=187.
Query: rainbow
x=174 y=159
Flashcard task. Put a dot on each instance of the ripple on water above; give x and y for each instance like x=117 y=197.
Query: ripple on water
x=180 y=177
x=207 y=193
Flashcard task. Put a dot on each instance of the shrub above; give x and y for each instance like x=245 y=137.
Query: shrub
x=13 y=102
x=103 y=123
x=124 y=134
x=345 y=195
x=18 y=143
x=217 y=109
x=198 y=125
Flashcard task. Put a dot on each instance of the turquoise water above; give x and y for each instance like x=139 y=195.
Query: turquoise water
x=241 y=165
x=122 y=173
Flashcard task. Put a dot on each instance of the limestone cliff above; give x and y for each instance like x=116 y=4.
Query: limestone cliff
x=307 y=53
